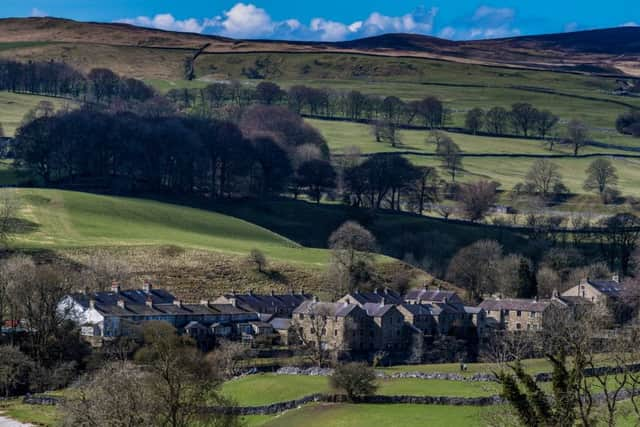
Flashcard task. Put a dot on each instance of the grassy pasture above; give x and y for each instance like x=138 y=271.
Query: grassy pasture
x=14 y=106
x=345 y=415
x=65 y=219
x=265 y=389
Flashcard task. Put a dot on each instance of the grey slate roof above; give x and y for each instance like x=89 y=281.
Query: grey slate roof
x=377 y=296
x=419 y=309
x=266 y=303
x=610 y=288
x=162 y=304
x=517 y=304
x=433 y=295
x=377 y=310
x=336 y=309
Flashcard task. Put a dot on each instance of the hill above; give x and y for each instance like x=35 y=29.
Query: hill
x=195 y=252
x=614 y=50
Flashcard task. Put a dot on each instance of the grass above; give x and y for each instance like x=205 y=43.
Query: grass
x=462 y=86
x=345 y=415
x=66 y=219
x=532 y=366
x=264 y=389
x=41 y=415
x=14 y=106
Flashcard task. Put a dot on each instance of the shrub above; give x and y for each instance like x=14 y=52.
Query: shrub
x=356 y=380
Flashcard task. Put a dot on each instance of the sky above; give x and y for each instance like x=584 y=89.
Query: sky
x=334 y=20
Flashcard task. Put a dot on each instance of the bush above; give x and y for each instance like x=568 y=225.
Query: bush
x=356 y=380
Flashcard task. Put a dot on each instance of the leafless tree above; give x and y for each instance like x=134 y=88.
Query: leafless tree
x=475 y=268
x=450 y=155
x=115 y=396
x=544 y=177
x=9 y=207
x=601 y=176
x=351 y=256
x=257 y=260
x=578 y=135
x=477 y=198
x=102 y=268
x=229 y=357
x=312 y=332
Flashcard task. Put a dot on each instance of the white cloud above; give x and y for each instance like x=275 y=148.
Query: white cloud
x=447 y=33
x=486 y=22
x=571 y=27
x=630 y=24
x=245 y=20
x=38 y=13
x=166 y=21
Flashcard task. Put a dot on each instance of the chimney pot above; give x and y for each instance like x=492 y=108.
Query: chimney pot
x=147 y=286
x=381 y=302
x=272 y=292
x=92 y=303
x=177 y=302
x=616 y=278
x=149 y=301
x=121 y=303
x=315 y=298
x=204 y=302
x=115 y=287
x=375 y=290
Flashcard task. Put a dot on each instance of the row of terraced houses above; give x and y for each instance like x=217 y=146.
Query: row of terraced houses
x=360 y=322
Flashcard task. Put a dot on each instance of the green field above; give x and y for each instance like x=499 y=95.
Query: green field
x=14 y=106
x=384 y=415
x=461 y=86
x=63 y=219
x=508 y=171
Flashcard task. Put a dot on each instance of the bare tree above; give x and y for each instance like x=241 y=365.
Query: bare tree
x=578 y=134
x=475 y=268
x=312 y=332
x=451 y=157
x=229 y=357
x=544 y=177
x=9 y=207
x=257 y=260
x=102 y=268
x=474 y=120
x=601 y=176
x=115 y=396
x=351 y=256
x=477 y=198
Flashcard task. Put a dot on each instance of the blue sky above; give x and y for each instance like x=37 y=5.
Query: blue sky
x=342 y=19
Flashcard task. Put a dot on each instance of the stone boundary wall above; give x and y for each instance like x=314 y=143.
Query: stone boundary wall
x=278 y=407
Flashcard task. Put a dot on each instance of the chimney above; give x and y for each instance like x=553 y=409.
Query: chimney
x=251 y=292
x=121 y=303
x=177 y=302
x=92 y=303
x=233 y=291
x=555 y=294
x=149 y=301
x=375 y=291
x=386 y=290
x=616 y=278
x=381 y=302
x=204 y=302
x=348 y=301
x=301 y=291
x=272 y=293
x=315 y=298
x=234 y=302
x=147 y=286
x=115 y=287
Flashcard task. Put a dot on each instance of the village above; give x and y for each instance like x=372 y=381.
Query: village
x=355 y=327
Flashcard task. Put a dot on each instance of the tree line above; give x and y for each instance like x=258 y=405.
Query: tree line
x=59 y=79
x=124 y=151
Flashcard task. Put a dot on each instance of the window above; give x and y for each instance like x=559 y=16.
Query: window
x=301 y=316
x=518 y=313
x=533 y=314
x=518 y=326
x=335 y=333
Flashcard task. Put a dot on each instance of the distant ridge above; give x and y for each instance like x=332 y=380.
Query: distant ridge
x=611 y=50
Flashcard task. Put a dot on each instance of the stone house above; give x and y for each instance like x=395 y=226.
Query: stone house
x=377 y=296
x=517 y=314
x=386 y=326
x=339 y=327
x=117 y=312
x=603 y=292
